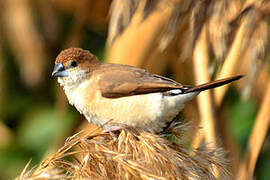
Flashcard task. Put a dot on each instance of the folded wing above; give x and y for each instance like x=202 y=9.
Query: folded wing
x=126 y=81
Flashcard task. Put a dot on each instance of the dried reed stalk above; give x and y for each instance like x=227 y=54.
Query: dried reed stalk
x=25 y=40
x=50 y=23
x=256 y=139
x=132 y=154
x=219 y=26
x=207 y=120
x=96 y=12
x=201 y=61
x=260 y=83
x=251 y=38
x=231 y=62
x=254 y=63
x=85 y=12
x=137 y=44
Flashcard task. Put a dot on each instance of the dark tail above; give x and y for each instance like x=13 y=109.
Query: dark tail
x=212 y=84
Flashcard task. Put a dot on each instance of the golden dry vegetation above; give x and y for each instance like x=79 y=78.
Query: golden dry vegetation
x=189 y=40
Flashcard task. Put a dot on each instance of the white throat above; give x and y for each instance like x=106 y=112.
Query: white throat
x=75 y=77
x=70 y=83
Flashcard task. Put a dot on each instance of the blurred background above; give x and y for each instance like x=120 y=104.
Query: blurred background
x=190 y=41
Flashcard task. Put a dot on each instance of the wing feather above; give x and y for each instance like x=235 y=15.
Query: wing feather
x=121 y=80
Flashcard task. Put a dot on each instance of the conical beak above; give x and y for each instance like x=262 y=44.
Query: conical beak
x=59 y=70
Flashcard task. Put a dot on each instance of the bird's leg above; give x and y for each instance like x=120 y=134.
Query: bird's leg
x=113 y=130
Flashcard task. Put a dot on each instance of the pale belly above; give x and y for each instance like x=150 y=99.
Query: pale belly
x=150 y=112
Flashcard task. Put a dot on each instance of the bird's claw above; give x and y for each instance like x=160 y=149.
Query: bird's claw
x=113 y=131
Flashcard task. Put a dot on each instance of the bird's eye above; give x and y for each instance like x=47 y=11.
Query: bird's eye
x=73 y=64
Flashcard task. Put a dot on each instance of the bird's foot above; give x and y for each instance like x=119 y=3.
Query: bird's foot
x=113 y=131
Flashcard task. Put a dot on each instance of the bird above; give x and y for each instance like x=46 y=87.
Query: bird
x=122 y=94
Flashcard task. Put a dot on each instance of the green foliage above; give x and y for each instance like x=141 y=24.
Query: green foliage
x=41 y=126
x=241 y=115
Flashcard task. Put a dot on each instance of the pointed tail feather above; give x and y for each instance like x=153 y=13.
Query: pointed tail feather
x=212 y=84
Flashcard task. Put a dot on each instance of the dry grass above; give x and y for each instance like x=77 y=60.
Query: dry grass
x=154 y=35
x=235 y=40
x=131 y=154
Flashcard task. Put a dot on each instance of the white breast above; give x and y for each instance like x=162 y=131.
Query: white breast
x=150 y=112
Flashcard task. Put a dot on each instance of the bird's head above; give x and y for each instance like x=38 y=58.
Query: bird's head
x=73 y=65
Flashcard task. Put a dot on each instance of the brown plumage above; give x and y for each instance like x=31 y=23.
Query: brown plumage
x=122 y=94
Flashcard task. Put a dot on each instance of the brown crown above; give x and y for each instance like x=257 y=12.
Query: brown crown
x=74 y=54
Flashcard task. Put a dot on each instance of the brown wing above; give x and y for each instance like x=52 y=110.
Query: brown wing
x=120 y=80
